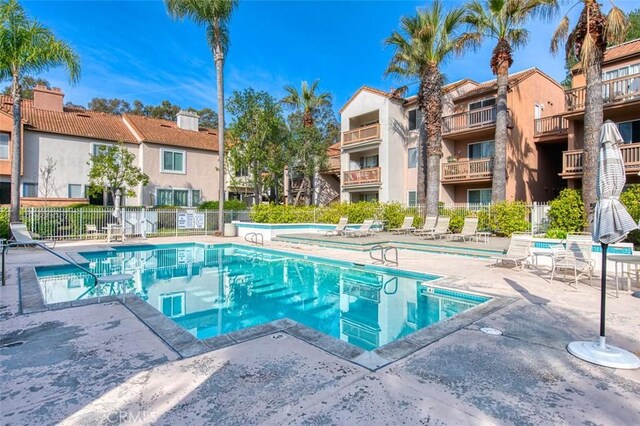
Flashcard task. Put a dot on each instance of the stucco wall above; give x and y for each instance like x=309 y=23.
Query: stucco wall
x=6 y=126
x=201 y=172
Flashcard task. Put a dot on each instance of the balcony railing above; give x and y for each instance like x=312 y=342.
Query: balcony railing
x=572 y=160
x=361 y=134
x=467 y=170
x=622 y=89
x=468 y=120
x=554 y=125
x=362 y=176
x=333 y=164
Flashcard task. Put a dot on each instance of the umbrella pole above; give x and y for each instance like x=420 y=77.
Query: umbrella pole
x=603 y=294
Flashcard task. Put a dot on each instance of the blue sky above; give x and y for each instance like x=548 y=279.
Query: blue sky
x=134 y=50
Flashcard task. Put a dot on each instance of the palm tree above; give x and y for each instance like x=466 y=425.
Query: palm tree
x=588 y=41
x=26 y=47
x=503 y=21
x=306 y=102
x=215 y=16
x=423 y=44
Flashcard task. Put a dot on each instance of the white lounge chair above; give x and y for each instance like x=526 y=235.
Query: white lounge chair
x=441 y=229
x=576 y=257
x=339 y=229
x=405 y=228
x=518 y=251
x=363 y=231
x=429 y=226
x=469 y=230
x=22 y=236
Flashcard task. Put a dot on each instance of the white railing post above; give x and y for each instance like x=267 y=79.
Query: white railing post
x=143 y=223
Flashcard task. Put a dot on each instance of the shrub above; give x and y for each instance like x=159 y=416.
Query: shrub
x=567 y=213
x=4 y=222
x=508 y=217
x=630 y=197
x=228 y=205
x=556 y=233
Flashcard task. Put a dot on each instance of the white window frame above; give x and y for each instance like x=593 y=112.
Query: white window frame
x=480 y=143
x=174 y=151
x=96 y=144
x=183 y=303
x=476 y=189
x=480 y=102
x=8 y=145
x=628 y=121
x=417 y=111
x=172 y=189
x=82 y=190
x=409 y=198
x=32 y=184
x=409 y=158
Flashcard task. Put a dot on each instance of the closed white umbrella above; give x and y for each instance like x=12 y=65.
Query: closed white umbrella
x=611 y=224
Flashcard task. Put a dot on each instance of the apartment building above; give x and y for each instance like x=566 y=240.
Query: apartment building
x=380 y=132
x=621 y=96
x=180 y=158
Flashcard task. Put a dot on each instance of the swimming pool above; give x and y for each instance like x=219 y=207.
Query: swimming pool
x=211 y=290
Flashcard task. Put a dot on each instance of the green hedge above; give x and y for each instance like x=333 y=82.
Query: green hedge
x=566 y=214
x=228 y=205
x=631 y=199
x=503 y=218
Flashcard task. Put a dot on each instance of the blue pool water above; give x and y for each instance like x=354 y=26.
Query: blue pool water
x=217 y=289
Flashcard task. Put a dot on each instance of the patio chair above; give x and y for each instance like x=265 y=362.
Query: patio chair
x=92 y=230
x=339 y=229
x=469 y=230
x=428 y=227
x=576 y=257
x=22 y=236
x=115 y=232
x=518 y=251
x=440 y=230
x=405 y=228
x=363 y=231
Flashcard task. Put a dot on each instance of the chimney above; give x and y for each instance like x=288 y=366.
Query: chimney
x=187 y=120
x=48 y=99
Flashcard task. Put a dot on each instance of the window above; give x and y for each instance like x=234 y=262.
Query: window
x=75 y=191
x=4 y=146
x=479 y=196
x=29 y=189
x=413 y=158
x=173 y=161
x=5 y=192
x=369 y=161
x=630 y=131
x=369 y=196
x=195 y=197
x=99 y=147
x=484 y=116
x=482 y=104
x=412 y=198
x=242 y=172
x=172 y=305
x=621 y=72
x=178 y=197
x=413 y=119
x=480 y=150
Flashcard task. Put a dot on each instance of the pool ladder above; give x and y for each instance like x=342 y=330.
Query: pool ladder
x=255 y=238
x=384 y=255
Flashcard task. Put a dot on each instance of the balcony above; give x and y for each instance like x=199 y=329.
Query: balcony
x=333 y=165
x=572 y=160
x=548 y=126
x=469 y=120
x=467 y=171
x=619 y=90
x=361 y=134
x=370 y=176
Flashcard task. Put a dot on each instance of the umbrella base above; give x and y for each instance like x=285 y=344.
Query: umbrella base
x=605 y=355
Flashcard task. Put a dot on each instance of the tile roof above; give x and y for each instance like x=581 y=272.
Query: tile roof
x=334 y=150
x=87 y=124
x=111 y=127
x=389 y=95
x=622 y=50
x=166 y=132
x=492 y=85
x=446 y=88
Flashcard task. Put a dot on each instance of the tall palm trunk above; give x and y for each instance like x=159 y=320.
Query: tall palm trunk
x=433 y=127
x=219 y=60
x=16 y=157
x=593 y=118
x=499 y=185
x=421 y=171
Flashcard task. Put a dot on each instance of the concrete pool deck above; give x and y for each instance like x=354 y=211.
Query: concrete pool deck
x=99 y=364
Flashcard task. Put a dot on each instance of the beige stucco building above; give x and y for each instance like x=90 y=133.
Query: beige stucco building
x=180 y=158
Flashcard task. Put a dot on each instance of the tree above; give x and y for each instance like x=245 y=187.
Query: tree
x=47 y=178
x=503 y=21
x=258 y=138
x=27 y=47
x=588 y=41
x=208 y=117
x=567 y=83
x=633 y=31
x=424 y=43
x=112 y=170
x=215 y=16
x=306 y=105
x=27 y=83
x=109 y=106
